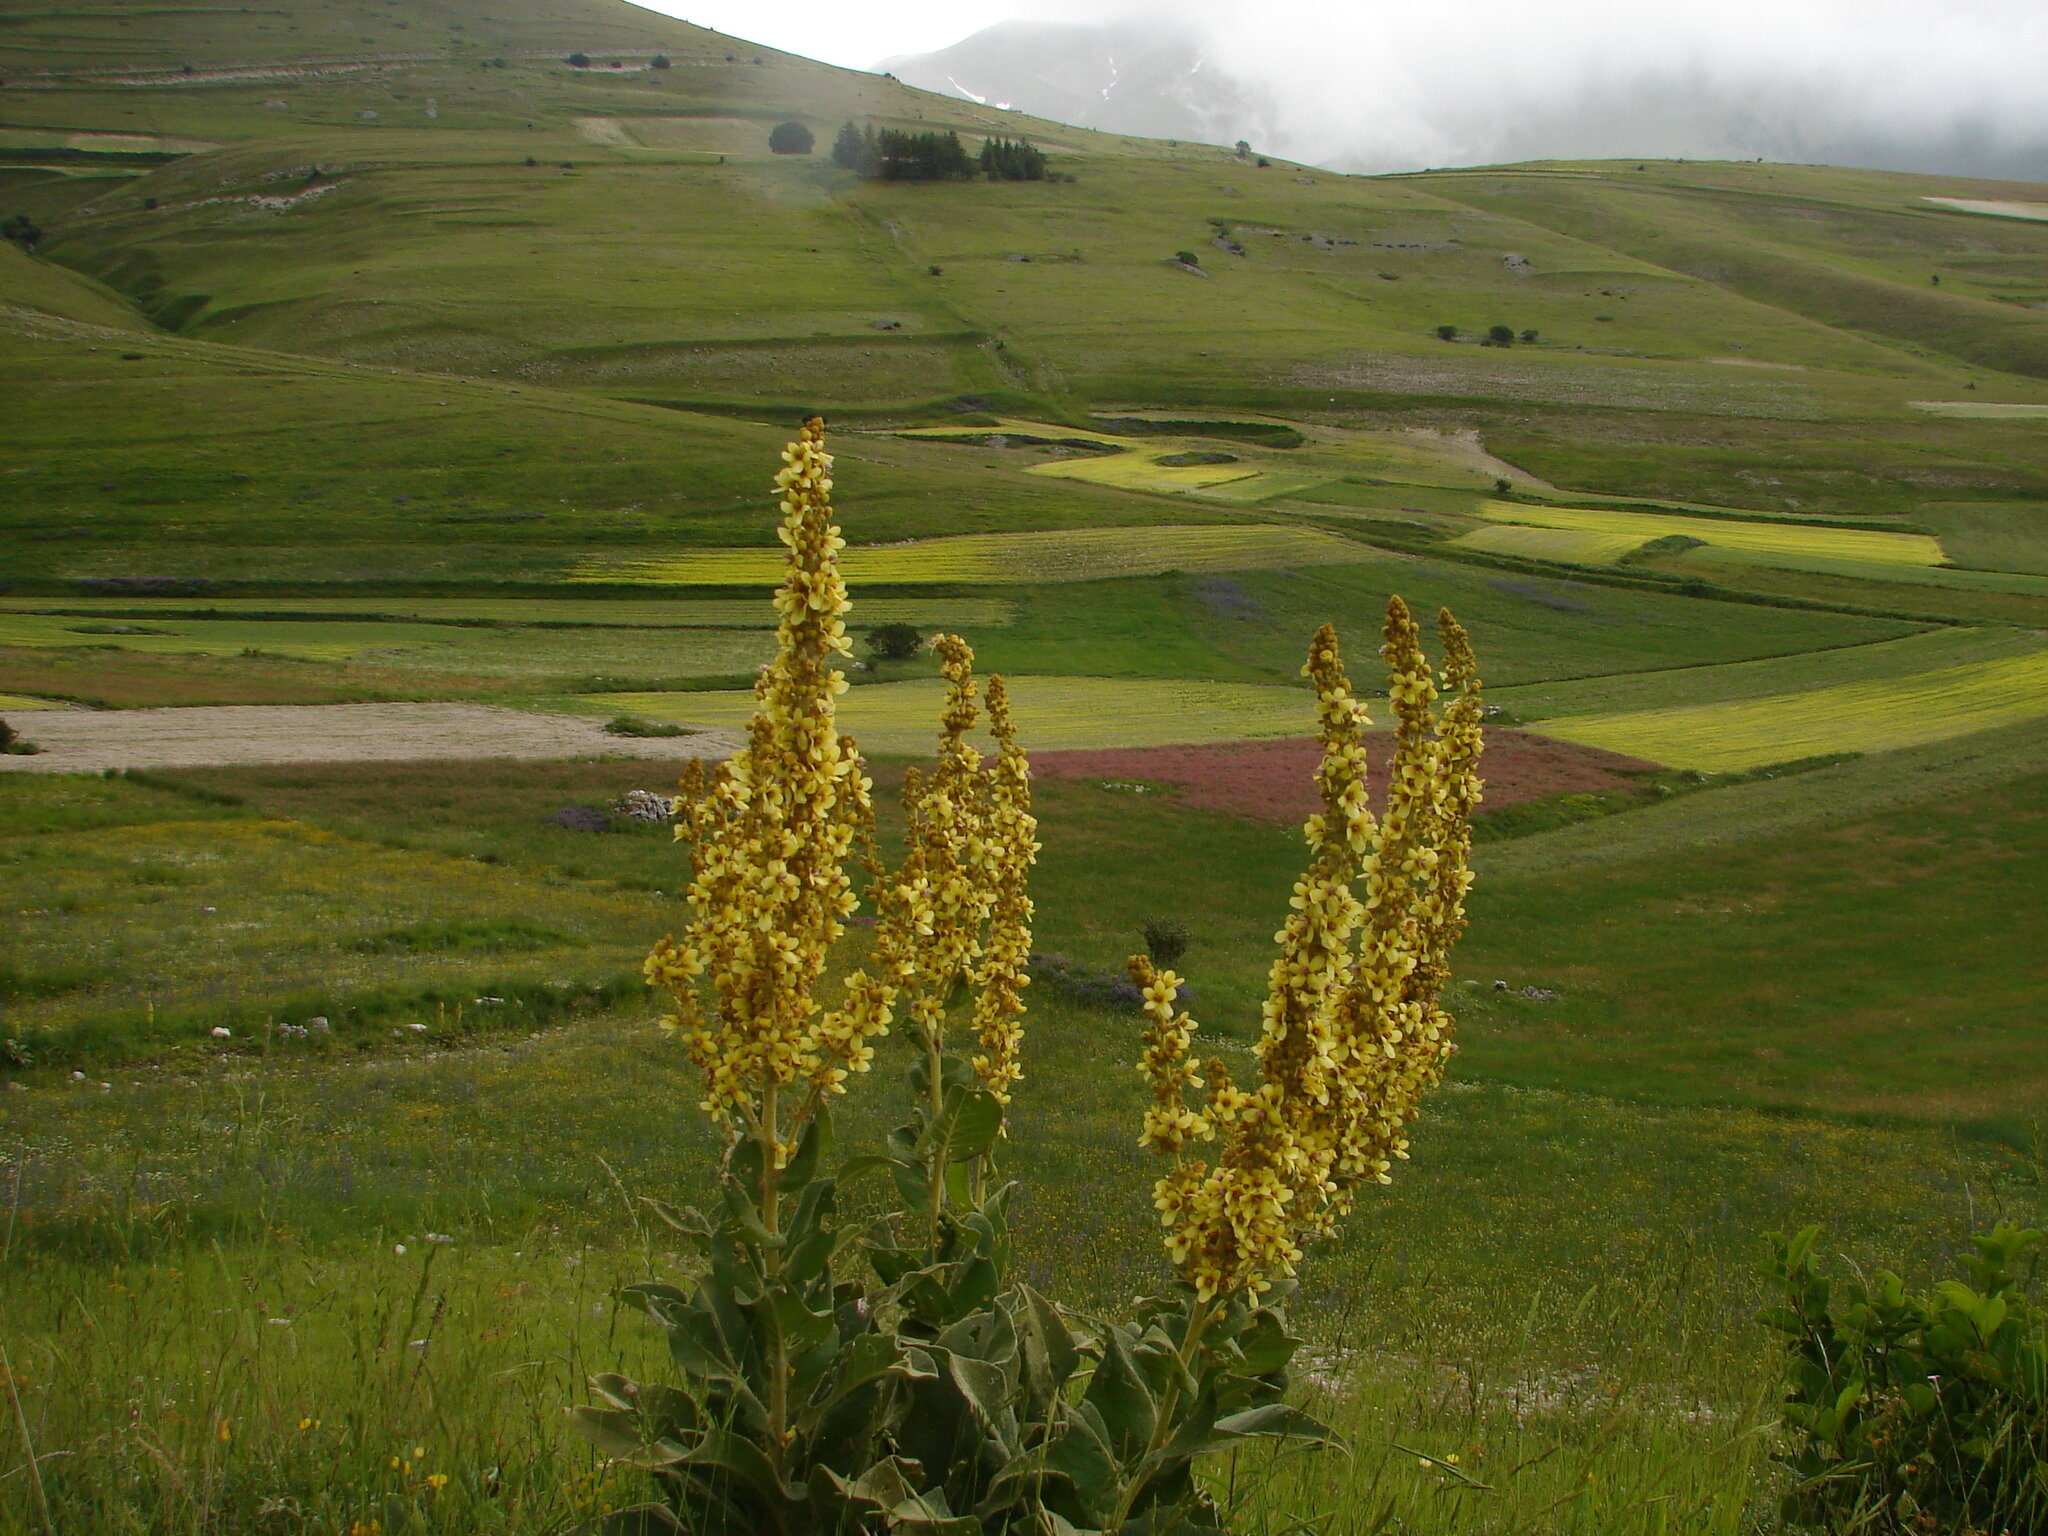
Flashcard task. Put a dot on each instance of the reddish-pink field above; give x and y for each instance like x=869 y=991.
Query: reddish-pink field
x=1274 y=780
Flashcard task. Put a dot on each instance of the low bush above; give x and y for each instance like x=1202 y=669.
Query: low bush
x=635 y=725
x=1915 y=1413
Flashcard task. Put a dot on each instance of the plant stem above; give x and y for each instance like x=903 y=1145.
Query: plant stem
x=935 y=1061
x=1162 y=1427
x=771 y=1261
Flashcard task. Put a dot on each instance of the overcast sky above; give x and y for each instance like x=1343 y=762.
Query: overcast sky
x=1441 y=81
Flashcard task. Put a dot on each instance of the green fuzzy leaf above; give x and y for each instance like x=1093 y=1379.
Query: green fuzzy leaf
x=640 y=1520
x=689 y=1221
x=616 y=1390
x=813 y=1145
x=1277 y=1421
x=615 y=1432
x=739 y=1458
x=987 y=1389
x=1116 y=1391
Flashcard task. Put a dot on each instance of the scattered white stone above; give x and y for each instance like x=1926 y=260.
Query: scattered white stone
x=222 y=1032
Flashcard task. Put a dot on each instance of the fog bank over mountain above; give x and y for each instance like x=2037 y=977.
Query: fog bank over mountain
x=1370 y=86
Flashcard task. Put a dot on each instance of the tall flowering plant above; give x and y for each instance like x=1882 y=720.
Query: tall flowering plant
x=894 y=1378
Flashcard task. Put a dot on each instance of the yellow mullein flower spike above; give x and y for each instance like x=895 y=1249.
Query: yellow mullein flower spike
x=769 y=833
x=1352 y=1035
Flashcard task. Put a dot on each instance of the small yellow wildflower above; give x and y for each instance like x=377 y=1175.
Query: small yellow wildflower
x=439 y=1480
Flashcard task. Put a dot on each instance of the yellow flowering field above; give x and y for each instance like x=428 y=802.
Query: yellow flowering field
x=1867 y=716
x=1638 y=528
x=1053 y=713
x=1006 y=559
x=1141 y=470
x=23 y=701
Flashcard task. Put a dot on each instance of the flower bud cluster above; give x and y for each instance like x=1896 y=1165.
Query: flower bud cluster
x=1353 y=1034
x=956 y=915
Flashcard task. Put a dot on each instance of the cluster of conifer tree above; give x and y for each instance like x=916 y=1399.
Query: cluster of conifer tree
x=1012 y=160
x=889 y=154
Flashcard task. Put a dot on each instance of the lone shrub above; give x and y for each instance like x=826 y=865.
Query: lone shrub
x=579 y=61
x=790 y=139
x=1187 y=258
x=1166 y=940
x=1447 y=332
x=898 y=1378
x=894 y=642
x=1501 y=335
x=1915 y=1413
x=636 y=725
x=659 y=61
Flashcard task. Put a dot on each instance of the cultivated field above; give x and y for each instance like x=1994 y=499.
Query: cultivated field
x=1058 y=713
x=1848 y=717
x=997 y=559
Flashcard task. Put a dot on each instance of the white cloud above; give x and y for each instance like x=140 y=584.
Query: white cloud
x=1384 y=83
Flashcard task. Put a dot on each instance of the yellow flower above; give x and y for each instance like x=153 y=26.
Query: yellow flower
x=437 y=1481
x=1352 y=1032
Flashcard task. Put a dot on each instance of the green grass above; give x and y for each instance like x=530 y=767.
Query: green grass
x=1053 y=713
x=1992 y=536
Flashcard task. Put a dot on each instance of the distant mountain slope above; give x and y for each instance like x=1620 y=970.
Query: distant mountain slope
x=1125 y=77
x=1176 y=80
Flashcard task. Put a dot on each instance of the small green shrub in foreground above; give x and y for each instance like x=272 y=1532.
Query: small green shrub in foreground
x=1916 y=1413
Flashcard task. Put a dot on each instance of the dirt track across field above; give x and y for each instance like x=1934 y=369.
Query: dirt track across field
x=87 y=741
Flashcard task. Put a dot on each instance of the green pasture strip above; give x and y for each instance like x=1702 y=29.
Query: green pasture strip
x=1767 y=808
x=1571 y=546
x=1527 y=628
x=24 y=701
x=1867 y=716
x=1878 y=966
x=135 y=936
x=482 y=652
x=1980 y=410
x=1926 y=651
x=495 y=812
x=1992 y=535
x=1895 y=572
x=1089 y=554
x=1053 y=713
x=1756 y=538
x=604 y=613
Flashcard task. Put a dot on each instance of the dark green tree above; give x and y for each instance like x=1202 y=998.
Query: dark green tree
x=579 y=60
x=849 y=147
x=659 y=61
x=894 y=642
x=1447 y=332
x=791 y=139
x=1008 y=160
x=902 y=156
x=23 y=231
x=1501 y=335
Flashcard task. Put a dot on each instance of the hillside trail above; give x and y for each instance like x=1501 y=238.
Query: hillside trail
x=93 y=741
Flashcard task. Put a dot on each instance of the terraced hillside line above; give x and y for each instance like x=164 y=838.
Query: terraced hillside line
x=92 y=741
x=1588 y=534
x=998 y=559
